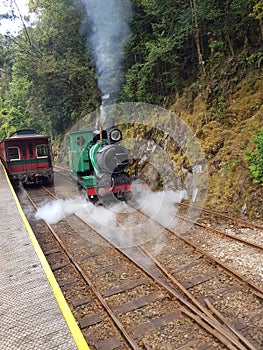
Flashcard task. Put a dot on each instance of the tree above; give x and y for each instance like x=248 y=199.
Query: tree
x=196 y=31
x=52 y=72
x=158 y=60
x=175 y=44
x=257 y=12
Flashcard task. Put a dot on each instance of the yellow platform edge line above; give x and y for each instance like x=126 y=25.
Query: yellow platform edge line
x=63 y=305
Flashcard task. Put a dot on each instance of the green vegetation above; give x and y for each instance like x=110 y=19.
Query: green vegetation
x=47 y=77
x=201 y=59
x=255 y=159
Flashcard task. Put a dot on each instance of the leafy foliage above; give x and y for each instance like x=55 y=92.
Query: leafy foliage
x=48 y=77
x=174 y=43
x=255 y=159
x=155 y=65
x=52 y=79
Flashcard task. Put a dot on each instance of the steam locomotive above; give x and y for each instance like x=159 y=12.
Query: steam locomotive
x=27 y=157
x=97 y=161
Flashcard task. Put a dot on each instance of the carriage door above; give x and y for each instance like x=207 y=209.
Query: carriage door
x=29 y=160
x=42 y=156
x=24 y=156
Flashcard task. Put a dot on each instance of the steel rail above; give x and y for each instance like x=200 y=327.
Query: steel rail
x=218 y=232
x=233 y=335
x=196 y=302
x=210 y=229
x=91 y=285
x=211 y=322
x=257 y=289
x=240 y=222
x=228 y=324
x=213 y=230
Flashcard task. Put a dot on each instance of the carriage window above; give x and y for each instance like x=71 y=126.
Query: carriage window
x=80 y=141
x=42 y=151
x=13 y=153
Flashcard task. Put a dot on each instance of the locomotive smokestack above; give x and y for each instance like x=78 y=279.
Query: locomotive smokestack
x=109 y=121
x=110 y=124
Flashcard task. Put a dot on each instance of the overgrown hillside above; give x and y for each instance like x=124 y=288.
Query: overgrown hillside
x=201 y=59
x=226 y=137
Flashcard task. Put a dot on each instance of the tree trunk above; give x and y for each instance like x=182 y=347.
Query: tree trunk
x=230 y=45
x=261 y=27
x=197 y=38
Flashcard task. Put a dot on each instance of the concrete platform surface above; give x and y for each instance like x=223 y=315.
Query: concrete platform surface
x=33 y=311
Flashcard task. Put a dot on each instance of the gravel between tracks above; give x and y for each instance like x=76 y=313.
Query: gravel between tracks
x=246 y=260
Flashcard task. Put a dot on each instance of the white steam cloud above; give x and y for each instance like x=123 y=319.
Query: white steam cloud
x=160 y=206
x=60 y=209
x=109 y=21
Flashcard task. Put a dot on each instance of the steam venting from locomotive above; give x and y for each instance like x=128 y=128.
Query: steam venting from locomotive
x=109 y=28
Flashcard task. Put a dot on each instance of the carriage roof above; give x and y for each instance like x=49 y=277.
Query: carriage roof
x=25 y=134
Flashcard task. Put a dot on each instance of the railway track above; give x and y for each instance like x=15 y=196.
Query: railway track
x=241 y=230
x=204 y=281
x=237 y=243
x=154 y=307
x=237 y=221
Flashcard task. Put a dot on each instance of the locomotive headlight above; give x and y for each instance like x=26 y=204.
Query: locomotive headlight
x=115 y=135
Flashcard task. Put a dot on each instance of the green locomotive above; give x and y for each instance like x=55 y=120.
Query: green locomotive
x=97 y=161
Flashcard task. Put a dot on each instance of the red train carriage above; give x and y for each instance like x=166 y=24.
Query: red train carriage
x=26 y=157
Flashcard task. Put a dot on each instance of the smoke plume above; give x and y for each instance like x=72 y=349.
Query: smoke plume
x=109 y=22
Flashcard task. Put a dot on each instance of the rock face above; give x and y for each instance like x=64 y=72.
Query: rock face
x=226 y=143
x=165 y=165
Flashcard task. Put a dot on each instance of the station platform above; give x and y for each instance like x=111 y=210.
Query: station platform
x=33 y=311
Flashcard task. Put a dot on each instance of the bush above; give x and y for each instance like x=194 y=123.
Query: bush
x=255 y=159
